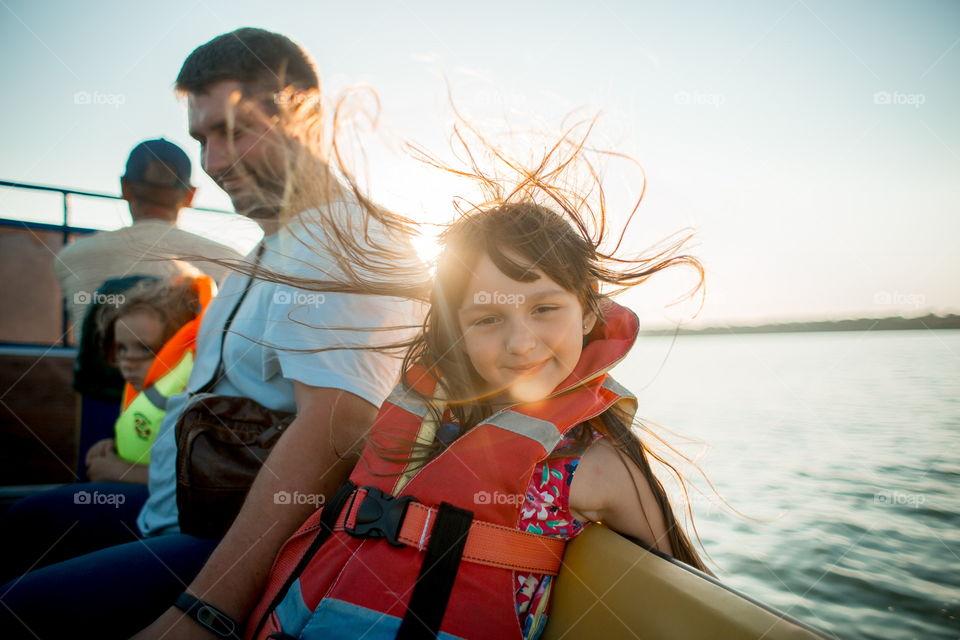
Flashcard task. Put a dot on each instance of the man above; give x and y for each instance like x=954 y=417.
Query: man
x=156 y=185
x=335 y=393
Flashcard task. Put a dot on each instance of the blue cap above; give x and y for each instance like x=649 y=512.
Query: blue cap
x=158 y=163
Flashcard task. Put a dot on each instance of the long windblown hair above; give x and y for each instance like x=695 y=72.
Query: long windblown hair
x=531 y=220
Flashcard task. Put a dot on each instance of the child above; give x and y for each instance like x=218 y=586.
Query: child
x=477 y=495
x=150 y=335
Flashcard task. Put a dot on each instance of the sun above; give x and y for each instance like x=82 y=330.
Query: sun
x=427 y=245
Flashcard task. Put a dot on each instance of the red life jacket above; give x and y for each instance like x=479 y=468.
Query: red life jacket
x=443 y=565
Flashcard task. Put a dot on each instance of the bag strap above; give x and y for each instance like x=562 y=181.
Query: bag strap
x=220 y=371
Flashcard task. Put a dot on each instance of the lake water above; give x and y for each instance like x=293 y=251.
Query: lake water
x=842 y=450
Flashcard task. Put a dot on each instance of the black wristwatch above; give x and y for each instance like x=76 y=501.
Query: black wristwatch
x=208 y=616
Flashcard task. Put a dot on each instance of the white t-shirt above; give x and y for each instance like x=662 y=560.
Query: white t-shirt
x=258 y=365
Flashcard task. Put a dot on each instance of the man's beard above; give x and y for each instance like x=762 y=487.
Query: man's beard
x=263 y=202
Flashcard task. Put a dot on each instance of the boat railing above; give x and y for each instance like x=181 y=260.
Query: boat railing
x=41 y=233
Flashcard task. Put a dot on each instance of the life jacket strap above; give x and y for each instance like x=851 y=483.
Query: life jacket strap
x=155 y=397
x=438 y=574
x=412 y=525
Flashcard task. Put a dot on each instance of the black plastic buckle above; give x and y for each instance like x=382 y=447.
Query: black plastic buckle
x=380 y=516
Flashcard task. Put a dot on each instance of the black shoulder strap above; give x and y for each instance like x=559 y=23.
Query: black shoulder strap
x=219 y=373
x=438 y=573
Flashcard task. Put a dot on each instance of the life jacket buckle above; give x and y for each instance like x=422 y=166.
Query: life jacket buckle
x=380 y=515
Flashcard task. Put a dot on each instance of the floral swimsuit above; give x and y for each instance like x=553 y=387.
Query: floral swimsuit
x=546 y=511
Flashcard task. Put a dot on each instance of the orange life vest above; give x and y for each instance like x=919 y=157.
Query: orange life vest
x=141 y=411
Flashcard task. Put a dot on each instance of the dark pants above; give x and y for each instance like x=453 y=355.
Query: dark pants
x=90 y=573
x=66 y=522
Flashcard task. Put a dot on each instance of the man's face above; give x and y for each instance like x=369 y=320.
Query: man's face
x=239 y=145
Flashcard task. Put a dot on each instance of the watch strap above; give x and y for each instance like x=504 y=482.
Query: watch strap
x=208 y=616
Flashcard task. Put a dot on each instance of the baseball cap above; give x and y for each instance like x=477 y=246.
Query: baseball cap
x=158 y=163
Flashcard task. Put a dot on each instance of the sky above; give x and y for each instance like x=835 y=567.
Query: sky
x=813 y=146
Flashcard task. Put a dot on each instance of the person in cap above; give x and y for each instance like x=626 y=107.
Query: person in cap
x=156 y=185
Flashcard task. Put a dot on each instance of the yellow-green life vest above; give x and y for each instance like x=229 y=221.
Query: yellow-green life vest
x=136 y=428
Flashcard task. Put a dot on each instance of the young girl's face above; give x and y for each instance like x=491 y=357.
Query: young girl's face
x=137 y=336
x=523 y=338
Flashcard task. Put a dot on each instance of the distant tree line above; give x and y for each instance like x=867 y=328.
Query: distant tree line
x=896 y=323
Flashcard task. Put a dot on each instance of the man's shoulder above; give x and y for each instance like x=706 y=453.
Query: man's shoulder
x=85 y=245
x=180 y=236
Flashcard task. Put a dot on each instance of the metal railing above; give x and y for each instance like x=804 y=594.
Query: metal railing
x=65 y=228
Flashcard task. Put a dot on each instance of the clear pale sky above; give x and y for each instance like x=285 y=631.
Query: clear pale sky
x=758 y=123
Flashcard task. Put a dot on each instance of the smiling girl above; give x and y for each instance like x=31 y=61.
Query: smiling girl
x=505 y=438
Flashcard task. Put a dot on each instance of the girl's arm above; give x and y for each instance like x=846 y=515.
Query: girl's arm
x=605 y=488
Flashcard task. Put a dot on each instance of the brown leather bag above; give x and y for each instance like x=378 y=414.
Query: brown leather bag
x=222 y=442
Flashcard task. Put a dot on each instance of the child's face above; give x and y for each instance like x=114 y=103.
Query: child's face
x=137 y=336
x=523 y=338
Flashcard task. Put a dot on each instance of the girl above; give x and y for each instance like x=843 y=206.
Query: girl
x=150 y=336
x=476 y=495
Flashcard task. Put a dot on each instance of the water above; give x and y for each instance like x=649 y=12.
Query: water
x=845 y=447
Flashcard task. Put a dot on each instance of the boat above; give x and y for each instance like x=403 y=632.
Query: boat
x=613 y=587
